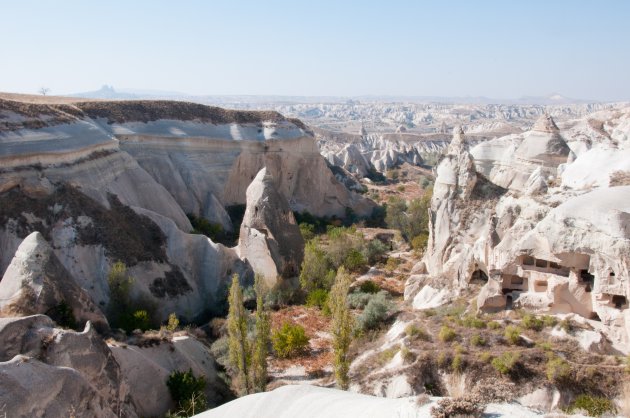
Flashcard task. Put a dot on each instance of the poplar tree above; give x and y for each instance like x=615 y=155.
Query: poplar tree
x=261 y=339
x=341 y=327
x=237 y=337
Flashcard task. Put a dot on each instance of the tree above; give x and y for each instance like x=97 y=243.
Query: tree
x=341 y=327
x=258 y=369
x=237 y=337
x=43 y=91
x=314 y=267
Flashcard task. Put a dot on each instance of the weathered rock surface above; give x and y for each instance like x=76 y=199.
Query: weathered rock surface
x=147 y=365
x=270 y=239
x=37 y=283
x=46 y=370
x=535 y=245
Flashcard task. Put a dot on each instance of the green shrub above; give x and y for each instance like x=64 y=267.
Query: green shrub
x=512 y=334
x=428 y=313
x=594 y=406
x=355 y=260
x=557 y=369
x=549 y=321
x=388 y=354
x=392 y=264
x=446 y=334
x=374 y=251
x=442 y=359
x=413 y=331
x=314 y=272
x=458 y=363
x=419 y=242
x=485 y=357
x=136 y=320
x=505 y=362
x=406 y=354
x=282 y=294
x=289 y=341
x=369 y=286
x=494 y=325
x=358 y=300
x=477 y=340
x=375 y=312
x=62 y=314
x=307 y=231
x=566 y=325
x=317 y=298
x=187 y=391
x=473 y=322
x=532 y=322
x=204 y=227
x=173 y=322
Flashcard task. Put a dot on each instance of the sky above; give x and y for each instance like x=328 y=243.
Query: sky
x=498 y=49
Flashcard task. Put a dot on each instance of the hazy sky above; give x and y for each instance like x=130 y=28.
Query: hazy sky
x=499 y=49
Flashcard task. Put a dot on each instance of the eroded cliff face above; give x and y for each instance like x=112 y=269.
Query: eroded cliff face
x=113 y=181
x=532 y=236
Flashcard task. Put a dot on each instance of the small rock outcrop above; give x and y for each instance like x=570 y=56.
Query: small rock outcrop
x=270 y=238
x=37 y=283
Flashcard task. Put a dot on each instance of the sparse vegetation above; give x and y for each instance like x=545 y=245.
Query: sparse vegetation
x=557 y=369
x=413 y=331
x=477 y=340
x=318 y=298
x=375 y=312
x=465 y=406
x=173 y=322
x=594 y=406
x=239 y=358
x=124 y=311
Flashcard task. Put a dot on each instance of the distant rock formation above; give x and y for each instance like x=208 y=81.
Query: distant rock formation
x=270 y=239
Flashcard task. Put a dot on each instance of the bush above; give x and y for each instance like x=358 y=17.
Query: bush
x=282 y=294
x=369 y=286
x=392 y=264
x=477 y=340
x=566 y=325
x=473 y=322
x=557 y=370
x=549 y=321
x=307 y=231
x=465 y=406
x=358 y=300
x=419 y=242
x=173 y=322
x=594 y=406
x=505 y=363
x=314 y=272
x=375 y=311
x=355 y=260
x=458 y=363
x=290 y=340
x=447 y=334
x=512 y=334
x=317 y=298
x=374 y=251
x=532 y=322
x=187 y=391
x=494 y=325
x=202 y=226
x=485 y=357
x=414 y=331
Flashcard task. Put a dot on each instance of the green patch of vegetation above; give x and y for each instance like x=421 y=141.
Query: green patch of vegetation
x=458 y=363
x=318 y=298
x=512 y=334
x=419 y=242
x=187 y=391
x=410 y=219
x=369 y=286
x=173 y=322
x=290 y=340
x=375 y=312
x=485 y=357
x=388 y=354
x=505 y=363
x=473 y=322
x=415 y=332
x=307 y=231
x=545 y=346
x=406 y=354
x=532 y=322
x=477 y=340
x=557 y=369
x=593 y=405
x=566 y=325
x=62 y=314
x=429 y=312
x=442 y=359
x=123 y=311
x=447 y=334
x=494 y=325
x=355 y=261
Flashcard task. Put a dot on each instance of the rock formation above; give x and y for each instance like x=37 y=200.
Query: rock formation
x=49 y=371
x=37 y=283
x=535 y=245
x=270 y=239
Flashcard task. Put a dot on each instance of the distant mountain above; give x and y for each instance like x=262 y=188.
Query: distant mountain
x=108 y=92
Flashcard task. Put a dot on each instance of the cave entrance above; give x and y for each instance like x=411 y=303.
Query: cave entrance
x=479 y=276
x=619 y=301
